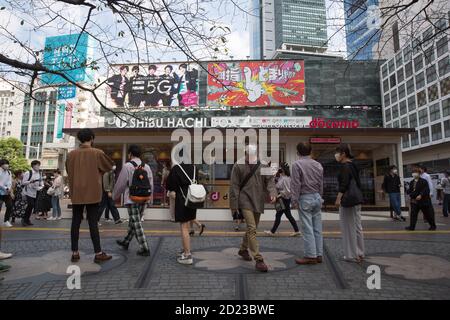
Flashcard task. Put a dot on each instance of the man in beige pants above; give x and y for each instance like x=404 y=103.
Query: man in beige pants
x=248 y=189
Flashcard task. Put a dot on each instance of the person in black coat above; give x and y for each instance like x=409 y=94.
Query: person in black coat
x=179 y=179
x=391 y=185
x=419 y=192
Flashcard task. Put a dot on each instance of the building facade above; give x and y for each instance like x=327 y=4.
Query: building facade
x=294 y=25
x=11 y=109
x=362 y=29
x=415 y=83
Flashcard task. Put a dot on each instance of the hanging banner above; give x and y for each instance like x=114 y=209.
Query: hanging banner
x=256 y=83
x=60 y=124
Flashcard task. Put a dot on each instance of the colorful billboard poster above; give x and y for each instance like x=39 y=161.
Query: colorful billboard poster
x=66 y=92
x=69 y=54
x=256 y=83
x=153 y=86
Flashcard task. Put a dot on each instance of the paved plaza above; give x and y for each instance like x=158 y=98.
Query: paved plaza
x=413 y=265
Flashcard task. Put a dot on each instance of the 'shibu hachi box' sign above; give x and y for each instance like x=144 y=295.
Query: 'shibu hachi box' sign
x=153 y=85
x=256 y=83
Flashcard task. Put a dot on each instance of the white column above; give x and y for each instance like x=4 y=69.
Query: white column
x=399 y=157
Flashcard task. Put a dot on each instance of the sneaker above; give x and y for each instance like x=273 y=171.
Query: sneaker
x=295 y=234
x=102 y=257
x=118 y=221
x=99 y=224
x=4 y=255
x=245 y=255
x=185 y=259
x=236 y=228
x=4 y=267
x=143 y=252
x=319 y=259
x=75 y=257
x=108 y=220
x=59 y=218
x=180 y=252
x=402 y=218
x=192 y=233
x=7 y=224
x=269 y=233
x=142 y=219
x=432 y=228
x=261 y=266
x=123 y=244
x=51 y=219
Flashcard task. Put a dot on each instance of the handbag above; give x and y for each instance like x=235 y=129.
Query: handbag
x=353 y=196
x=279 y=205
x=196 y=193
x=51 y=191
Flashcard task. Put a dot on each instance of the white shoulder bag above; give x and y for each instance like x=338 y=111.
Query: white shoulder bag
x=196 y=193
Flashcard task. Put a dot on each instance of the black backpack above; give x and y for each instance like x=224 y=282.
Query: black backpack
x=140 y=188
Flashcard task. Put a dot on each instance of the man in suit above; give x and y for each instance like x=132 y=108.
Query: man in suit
x=419 y=192
x=119 y=86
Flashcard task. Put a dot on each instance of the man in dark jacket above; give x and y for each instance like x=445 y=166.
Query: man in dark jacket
x=419 y=192
x=391 y=186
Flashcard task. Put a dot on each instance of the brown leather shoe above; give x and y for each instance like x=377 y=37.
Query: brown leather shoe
x=306 y=260
x=261 y=266
x=245 y=255
x=102 y=257
x=75 y=257
x=319 y=259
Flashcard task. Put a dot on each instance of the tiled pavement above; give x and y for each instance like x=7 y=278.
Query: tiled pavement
x=39 y=264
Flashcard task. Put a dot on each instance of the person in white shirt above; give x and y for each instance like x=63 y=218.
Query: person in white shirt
x=32 y=182
x=5 y=190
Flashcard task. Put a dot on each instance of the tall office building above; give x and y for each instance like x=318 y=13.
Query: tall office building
x=362 y=21
x=11 y=108
x=287 y=26
x=415 y=81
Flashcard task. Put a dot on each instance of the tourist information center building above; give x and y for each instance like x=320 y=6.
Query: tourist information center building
x=322 y=100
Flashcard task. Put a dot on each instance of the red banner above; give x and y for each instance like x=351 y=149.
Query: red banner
x=256 y=83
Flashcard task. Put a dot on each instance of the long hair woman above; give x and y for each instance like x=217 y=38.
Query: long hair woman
x=349 y=205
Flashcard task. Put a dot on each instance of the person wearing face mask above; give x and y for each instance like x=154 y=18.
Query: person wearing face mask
x=349 y=207
x=391 y=185
x=6 y=190
x=32 y=182
x=107 y=204
x=56 y=193
x=419 y=192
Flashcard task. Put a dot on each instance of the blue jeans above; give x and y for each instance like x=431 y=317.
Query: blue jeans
x=310 y=214
x=394 y=199
x=56 y=208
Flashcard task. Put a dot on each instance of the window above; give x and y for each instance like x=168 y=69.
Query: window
x=400 y=75
x=429 y=55
x=399 y=60
x=391 y=66
x=387 y=100
x=394 y=96
x=442 y=46
x=396 y=124
x=431 y=74
x=424 y=135
x=420 y=80
x=384 y=71
x=440 y=25
x=436 y=131
x=444 y=66
x=387 y=115
x=414 y=138
x=401 y=91
x=413 y=120
x=403 y=109
x=433 y=93
x=427 y=35
x=395 y=112
x=405 y=141
x=435 y=112
x=404 y=122
x=447 y=128
x=423 y=116
x=410 y=86
x=418 y=62
x=386 y=85
x=407 y=53
x=446 y=107
x=408 y=69
x=421 y=98
x=392 y=80
x=445 y=86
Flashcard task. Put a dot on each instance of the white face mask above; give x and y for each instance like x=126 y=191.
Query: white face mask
x=415 y=175
x=5 y=166
x=395 y=171
x=337 y=156
x=36 y=168
x=114 y=168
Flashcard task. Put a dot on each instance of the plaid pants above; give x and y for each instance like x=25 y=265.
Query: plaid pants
x=135 y=226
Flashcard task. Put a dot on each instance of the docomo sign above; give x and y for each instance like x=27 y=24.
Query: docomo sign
x=333 y=123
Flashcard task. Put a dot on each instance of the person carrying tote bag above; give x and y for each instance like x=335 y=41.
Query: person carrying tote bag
x=349 y=200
